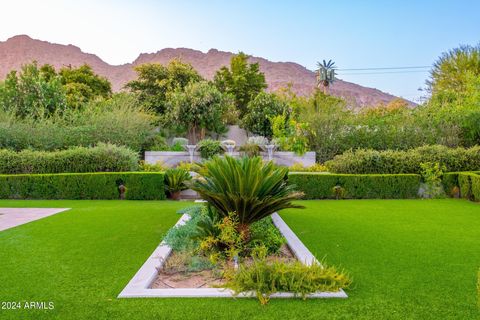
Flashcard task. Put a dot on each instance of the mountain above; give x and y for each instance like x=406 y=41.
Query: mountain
x=22 y=49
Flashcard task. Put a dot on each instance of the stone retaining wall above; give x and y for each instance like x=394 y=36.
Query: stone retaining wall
x=172 y=158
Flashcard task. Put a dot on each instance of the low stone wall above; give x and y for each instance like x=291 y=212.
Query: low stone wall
x=173 y=158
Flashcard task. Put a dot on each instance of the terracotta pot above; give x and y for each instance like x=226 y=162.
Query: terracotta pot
x=175 y=195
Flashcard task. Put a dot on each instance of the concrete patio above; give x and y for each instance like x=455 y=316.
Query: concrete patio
x=12 y=217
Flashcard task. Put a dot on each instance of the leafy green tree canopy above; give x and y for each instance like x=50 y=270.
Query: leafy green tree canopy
x=261 y=111
x=197 y=109
x=41 y=91
x=82 y=85
x=452 y=70
x=243 y=81
x=34 y=92
x=155 y=81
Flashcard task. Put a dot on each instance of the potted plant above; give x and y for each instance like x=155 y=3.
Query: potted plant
x=175 y=182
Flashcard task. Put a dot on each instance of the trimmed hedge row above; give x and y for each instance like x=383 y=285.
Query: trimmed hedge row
x=408 y=161
x=140 y=186
x=467 y=182
x=102 y=158
x=364 y=186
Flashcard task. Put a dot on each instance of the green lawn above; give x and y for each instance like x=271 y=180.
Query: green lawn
x=410 y=259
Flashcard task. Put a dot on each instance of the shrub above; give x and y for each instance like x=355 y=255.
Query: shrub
x=220 y=238
x=450 y=183
x=118 y=120
x=266 y=278
x=158 y=143
x=209 y=148
x=104 y=157
x=261 y=111
x=290 y=135
x=175 y=180
x=179 y=238
x=475 y=181
x=250 y=149
x=189 y=166
x=469 y=184
x=374 y=186
x=180 y=141
x=227 y=242
x=314 y=186
x=389 y=161
x=432 y=177
x=247 y=186
x=264 y=233
x=158 y=166
x=140 y=186
x=478 y=288
x=298 y=167
x=465 y=184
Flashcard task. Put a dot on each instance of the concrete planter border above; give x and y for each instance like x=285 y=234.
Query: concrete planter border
x=139 y=285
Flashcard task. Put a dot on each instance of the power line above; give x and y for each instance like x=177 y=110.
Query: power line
x=385 y=68
x=386 y=72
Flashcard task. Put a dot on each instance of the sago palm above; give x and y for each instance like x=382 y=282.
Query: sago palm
x=248 y=187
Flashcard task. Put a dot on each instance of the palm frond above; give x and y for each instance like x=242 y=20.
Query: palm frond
x=248 y=186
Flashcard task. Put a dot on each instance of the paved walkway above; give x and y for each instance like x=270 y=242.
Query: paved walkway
x=12 y=217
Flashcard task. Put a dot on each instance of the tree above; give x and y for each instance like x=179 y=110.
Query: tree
x=325 y=74
x=243 y=81
x=261 y=111
x=42 y=91
x=452 y=70
x=155 y=81
x=83 y=85
x=33 y=92
x=198 y=108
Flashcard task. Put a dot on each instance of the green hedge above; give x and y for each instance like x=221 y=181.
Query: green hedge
x=450 y=181
x=475 y=181
x=366 y=186
x=394 y=162
x=102 y=158
x=467 y=182
x=140 y=186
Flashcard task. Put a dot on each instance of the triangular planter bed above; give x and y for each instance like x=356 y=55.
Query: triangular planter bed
x=140 y=285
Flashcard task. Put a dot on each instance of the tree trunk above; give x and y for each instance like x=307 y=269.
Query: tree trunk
x=244 y=230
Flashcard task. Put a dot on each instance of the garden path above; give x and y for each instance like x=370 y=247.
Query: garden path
x=12 y=217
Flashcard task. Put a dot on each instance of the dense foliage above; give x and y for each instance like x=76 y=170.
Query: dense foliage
x=198 y=109
x=266 y=278
x=41 y=91
x=175 y=180
x=117 y=120
x=452 y=70
x=82 y=85
x=247 y=187
x=32 y=92
x=207 y=235
x=409 y=161
x=261 y=111
x=467 y=184
x=139 y=186
x=242 y=80
x=209 y=148
x=103 y=157
x=356 y=186
x=155 y=82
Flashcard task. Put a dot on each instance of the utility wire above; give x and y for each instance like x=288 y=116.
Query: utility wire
x=385 y=68
x=386 y=72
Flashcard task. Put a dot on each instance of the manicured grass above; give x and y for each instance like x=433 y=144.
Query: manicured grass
x=410 y=259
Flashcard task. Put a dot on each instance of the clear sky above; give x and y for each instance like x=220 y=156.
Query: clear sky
x=355 y=34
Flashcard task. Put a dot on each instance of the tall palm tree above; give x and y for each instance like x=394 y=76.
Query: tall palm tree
x=325 y=74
